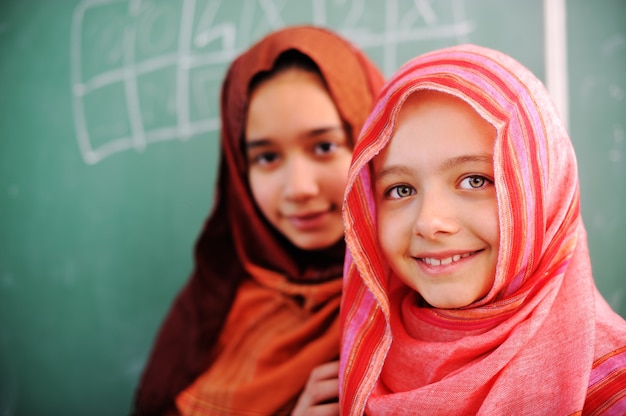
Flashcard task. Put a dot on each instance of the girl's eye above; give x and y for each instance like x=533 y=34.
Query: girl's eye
x=474 y=182
x=324 y=148
x=400 y=191
x=265 y=158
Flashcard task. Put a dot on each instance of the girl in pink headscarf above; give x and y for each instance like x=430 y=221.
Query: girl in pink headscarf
x=468 y=285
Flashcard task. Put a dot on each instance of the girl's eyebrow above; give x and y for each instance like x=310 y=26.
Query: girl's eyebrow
x=322 y=130
x=391 y=170
x=260 y=142
x=446 y=165
x=249 y=145
x=460 y=160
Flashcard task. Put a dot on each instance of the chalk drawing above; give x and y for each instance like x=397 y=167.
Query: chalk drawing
x=161 y=63
x=616 y=152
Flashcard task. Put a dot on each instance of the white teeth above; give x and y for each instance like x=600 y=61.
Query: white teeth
x=448 y=260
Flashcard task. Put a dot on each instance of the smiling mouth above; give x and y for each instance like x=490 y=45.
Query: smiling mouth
x=431 y=261
x=305 y=217
x=309 y=221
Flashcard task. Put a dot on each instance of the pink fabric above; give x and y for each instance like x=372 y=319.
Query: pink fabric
x=530 y=345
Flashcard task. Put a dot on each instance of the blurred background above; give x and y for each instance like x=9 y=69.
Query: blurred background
x=109 y=141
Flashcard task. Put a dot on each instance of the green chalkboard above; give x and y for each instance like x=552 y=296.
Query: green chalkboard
x=597 y=90
x=108 y=149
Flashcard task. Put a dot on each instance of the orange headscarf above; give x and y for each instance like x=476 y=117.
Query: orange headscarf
x=543 y=340
x=255 y=303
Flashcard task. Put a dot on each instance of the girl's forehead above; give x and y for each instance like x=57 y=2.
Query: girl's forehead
x=434 y=105
x=435 y=125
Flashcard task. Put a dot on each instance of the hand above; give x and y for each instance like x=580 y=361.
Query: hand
x=321 y=393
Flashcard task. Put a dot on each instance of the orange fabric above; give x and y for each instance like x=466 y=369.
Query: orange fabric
x=239 y=249
x=535 y=343
x=267 y=340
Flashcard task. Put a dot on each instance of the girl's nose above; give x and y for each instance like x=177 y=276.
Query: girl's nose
x=301 y=180
x=435 y=217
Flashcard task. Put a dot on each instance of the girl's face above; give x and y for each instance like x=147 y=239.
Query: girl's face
x=436 y=201
x=298 y=154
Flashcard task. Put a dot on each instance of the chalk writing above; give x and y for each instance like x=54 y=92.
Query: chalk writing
x=145 y=71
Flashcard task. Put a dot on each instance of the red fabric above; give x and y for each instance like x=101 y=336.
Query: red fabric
x=535 y=343
x=235 y=236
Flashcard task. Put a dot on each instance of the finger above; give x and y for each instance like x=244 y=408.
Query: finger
x=317 y=393
x=323 y=392
x=325 y=371
x=330 y=409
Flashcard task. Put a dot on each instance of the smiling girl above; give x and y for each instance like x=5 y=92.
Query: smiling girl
x=255 y=330
x=469 y=287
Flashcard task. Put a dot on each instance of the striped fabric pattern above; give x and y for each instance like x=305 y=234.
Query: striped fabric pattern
x=607 y=385
x=540 y=322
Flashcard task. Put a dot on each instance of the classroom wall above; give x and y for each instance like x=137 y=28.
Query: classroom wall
x=108 y=149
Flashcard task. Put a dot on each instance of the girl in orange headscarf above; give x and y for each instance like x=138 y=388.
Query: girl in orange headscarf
x=468 y=285
x=260 y=311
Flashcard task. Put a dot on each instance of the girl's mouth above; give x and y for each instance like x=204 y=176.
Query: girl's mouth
x=431 y=261
x=309 y=221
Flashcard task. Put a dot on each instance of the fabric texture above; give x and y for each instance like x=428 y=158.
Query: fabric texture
x=543 y=340
x=241 y=260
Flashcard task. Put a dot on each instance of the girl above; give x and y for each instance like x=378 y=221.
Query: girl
x=259 y=312
x=468 y=285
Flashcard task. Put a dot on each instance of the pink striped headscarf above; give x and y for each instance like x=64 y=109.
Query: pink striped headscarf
x=543 y=340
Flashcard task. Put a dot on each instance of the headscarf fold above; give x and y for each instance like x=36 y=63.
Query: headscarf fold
x=241 y=261
x=536 y=342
